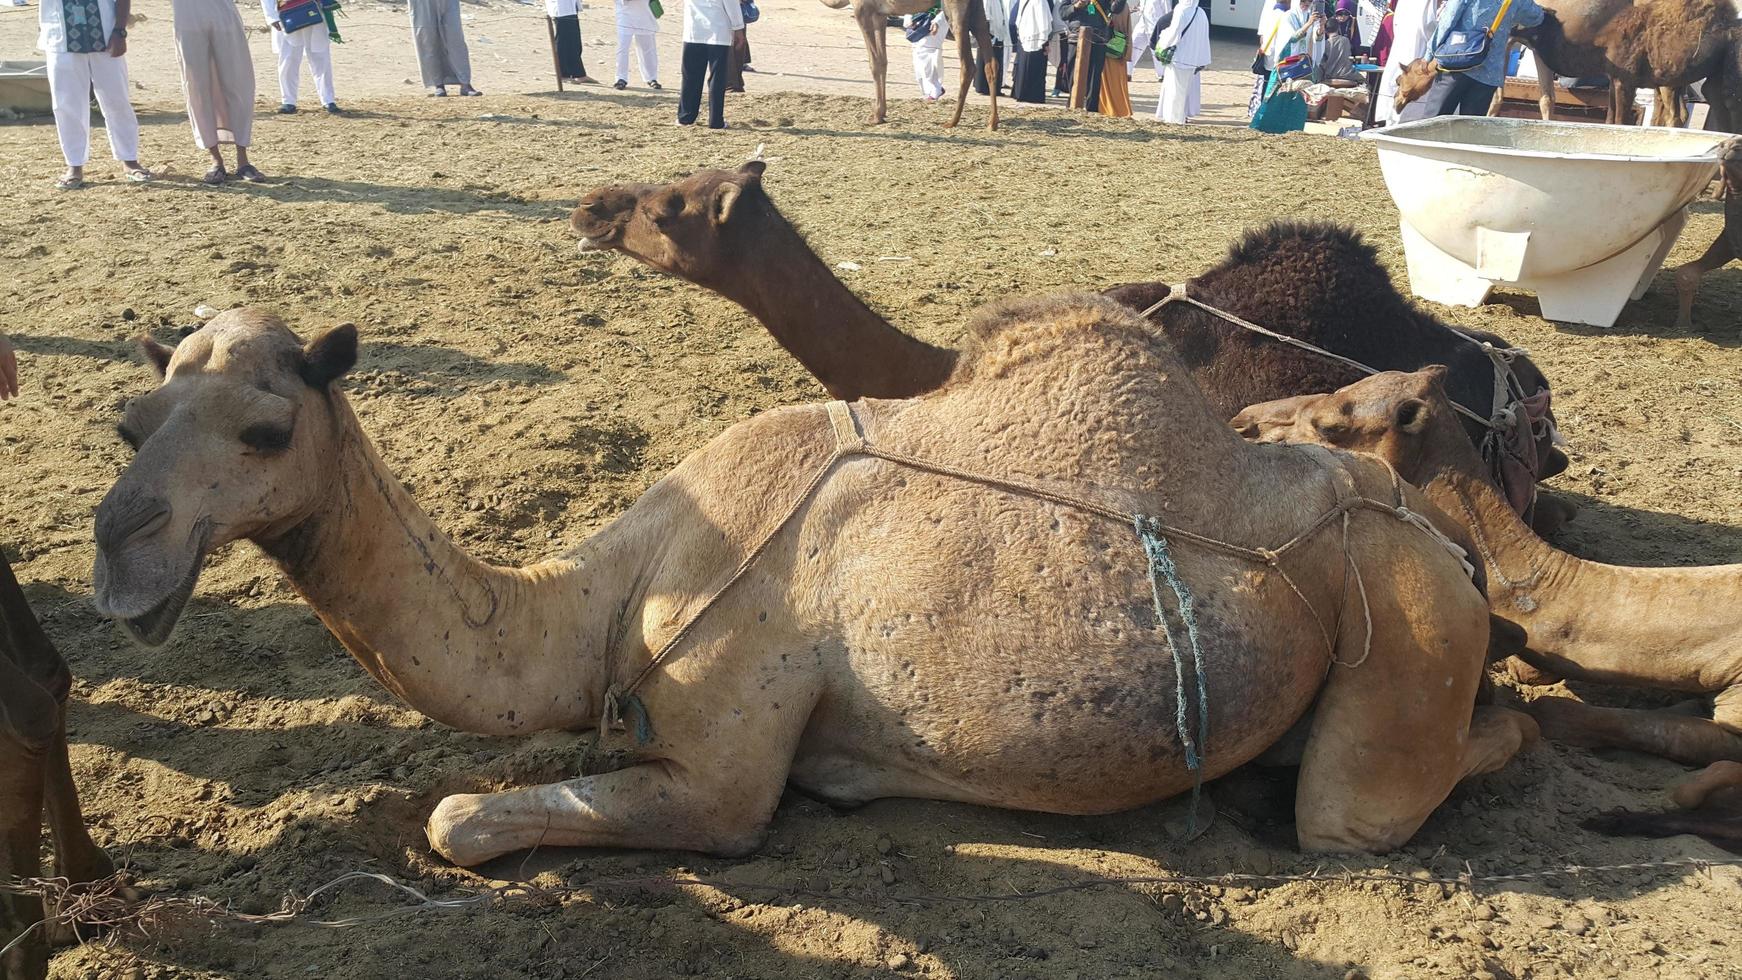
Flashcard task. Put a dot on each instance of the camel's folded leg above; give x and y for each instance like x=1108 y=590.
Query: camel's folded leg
x=1715 y=778
x=722 y=809
x=1670 y=734
x=1392 y=736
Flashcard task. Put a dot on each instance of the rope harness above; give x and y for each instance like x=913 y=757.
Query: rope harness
x=1509 y=410
x=623 y=709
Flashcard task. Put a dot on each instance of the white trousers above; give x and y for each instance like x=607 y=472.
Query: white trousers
x=925 y=65
x=290 y=48
x=71 y=79
x=645 y=50
x=1181 y=94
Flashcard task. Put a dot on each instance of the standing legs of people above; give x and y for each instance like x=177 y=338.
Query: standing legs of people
x=71 y=80
x=701 y=60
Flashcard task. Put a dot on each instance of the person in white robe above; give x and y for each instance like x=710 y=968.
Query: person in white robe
x=927 y=52
x=86 y=45
x=1185 y=48
x=442 y=57
x=637 y=28
x=217 y=76
x=1412 y=30
x=290 y=47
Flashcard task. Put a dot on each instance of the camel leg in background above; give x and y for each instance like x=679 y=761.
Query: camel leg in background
x=874 y=25
x=1672 y=734
x=1545 y=91
x=1670 y=109
x=1620 y=103
x=978 y=33
x=1375 y=764
x=1687 y=278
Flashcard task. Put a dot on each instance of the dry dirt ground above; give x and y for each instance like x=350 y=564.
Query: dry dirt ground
x=527 y=394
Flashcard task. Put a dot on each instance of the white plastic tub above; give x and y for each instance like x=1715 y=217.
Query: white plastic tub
x=1582 y=215
x=24 y=88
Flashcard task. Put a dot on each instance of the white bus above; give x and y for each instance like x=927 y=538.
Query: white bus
x=1235 y=13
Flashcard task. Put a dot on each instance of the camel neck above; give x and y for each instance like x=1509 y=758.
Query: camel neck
x=1662 y=627
x=484 y=649
x=844 y=344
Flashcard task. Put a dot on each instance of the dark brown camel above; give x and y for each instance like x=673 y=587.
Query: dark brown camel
x=1319 y=283
x=34 y=776
x=1677 y=629
x=967 y=21
x=1662 y=44
x=1728 y=246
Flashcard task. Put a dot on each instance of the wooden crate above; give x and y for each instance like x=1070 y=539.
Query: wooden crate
x=1521 y=94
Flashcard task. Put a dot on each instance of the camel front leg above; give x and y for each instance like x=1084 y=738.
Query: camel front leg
x=1620 y=103
x=657 y=805
x=1545 y=91
x=77 y=858
x=20 y=842
x=965 y=54
x=1392 y=736
x=1687 y=278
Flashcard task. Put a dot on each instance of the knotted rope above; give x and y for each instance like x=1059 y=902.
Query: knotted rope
x=622 y=705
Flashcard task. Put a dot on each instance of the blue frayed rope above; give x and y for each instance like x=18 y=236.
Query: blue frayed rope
x=1162 y=568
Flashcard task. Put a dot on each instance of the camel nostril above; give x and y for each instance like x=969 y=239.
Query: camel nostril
x=117 y=526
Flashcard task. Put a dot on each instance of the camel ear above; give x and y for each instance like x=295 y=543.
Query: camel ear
x=754 y=169
x=725 y=196
x=1410 y=415
x=156 y=354
x=330 y=356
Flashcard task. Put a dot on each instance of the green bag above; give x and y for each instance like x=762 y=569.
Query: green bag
x=657 y=8
x=1117 y=45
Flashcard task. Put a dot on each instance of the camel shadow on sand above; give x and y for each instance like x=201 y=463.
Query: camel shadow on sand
x=1652 y=315
x=1608 y=532
x=393 y=198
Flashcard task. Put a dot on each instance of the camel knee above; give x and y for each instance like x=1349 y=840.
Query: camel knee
x=1496 y=736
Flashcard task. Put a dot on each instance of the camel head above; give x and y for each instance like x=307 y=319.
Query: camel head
x=1417 y=78
x=1403 y=418
x=685 y=228
x=236 y=442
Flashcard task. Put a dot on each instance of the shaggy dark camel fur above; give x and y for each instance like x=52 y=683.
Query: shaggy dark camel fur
x=1661 y=44
x=34 y=776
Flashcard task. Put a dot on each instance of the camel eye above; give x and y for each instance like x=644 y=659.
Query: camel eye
x=266 y=438
x=667 y=207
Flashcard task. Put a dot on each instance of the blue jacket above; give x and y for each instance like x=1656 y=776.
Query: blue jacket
x=1475 y=16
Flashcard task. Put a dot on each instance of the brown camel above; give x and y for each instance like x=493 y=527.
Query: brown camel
x=1319 y=283
x=1725 y=249
x=35 y=777
x=785 y=607
x=1661 y=44
x=1677 y=629
x=967 y=21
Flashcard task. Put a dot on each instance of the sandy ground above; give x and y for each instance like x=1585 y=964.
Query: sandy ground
x=798 y=45
x=527 y=395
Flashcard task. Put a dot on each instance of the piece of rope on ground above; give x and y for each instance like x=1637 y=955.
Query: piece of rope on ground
x=105 y=905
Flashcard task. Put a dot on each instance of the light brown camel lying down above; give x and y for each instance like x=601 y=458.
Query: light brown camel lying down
x=903 y=634
x=34 y=778
x=1679 y=629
